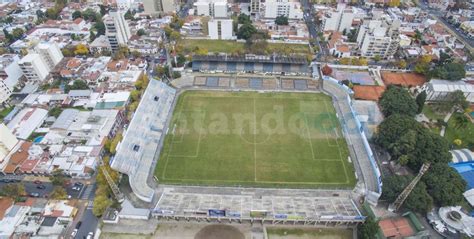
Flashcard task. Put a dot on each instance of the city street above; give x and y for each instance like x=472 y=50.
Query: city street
x=89 y=221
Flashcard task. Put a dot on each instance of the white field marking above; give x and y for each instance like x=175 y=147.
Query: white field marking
x=255 y=139
x=339 y=149
x=171 y=146
x=309 y=136
x=198 y=144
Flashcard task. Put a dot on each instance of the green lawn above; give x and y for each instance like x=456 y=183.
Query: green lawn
x=432 y=114
x=465 y=134
x=313 y=233
x=4 y=112
x=233 y=46
x=255 y=139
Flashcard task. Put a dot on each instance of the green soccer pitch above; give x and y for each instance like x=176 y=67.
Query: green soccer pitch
x=255 y=139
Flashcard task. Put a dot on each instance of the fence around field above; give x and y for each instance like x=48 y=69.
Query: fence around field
x=374 y=191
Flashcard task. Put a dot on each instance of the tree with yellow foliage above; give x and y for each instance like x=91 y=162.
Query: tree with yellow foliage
x=394 y=3
x=81 y=49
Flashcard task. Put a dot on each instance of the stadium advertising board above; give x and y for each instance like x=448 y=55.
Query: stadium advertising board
x=258 y=214
x=280 y=216
x=216 y=213
x=233 y=214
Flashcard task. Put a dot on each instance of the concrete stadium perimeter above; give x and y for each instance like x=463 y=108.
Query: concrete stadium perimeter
x=304 y=206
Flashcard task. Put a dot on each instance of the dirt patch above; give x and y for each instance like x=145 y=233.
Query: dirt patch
x=218 y=232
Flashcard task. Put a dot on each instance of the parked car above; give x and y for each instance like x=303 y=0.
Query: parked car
x=37 y=182
x=78 y=224
x=74 y=232
x=35 y=195
x=90 y=235
x=41 y=186
x=78 y=184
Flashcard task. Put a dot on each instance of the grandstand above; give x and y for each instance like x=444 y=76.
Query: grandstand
x=136 y=151
x=273 y=209
x=295 y=65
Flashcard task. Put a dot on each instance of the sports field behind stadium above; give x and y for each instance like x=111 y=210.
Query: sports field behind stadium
x=255 y=139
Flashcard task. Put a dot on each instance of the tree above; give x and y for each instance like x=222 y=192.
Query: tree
x=418 y=36
x=175 y=36
x=244 y=19
x=76 y=85
x=419 y=200
x=449 y=71
x=128 y=15
x=17 y=33
x=445 y=185
x=100 y=28
x=368 y=229
x=58 y=193
x=281 y=20
x=461 y=121
x=326 y=70
x=141 y=32
x=420 y=101
x=402 y=64
x=76 y=14
x=92 y=36
x=14 y=190
x=101 y=202
x=55 y=112
x=246 y=31
x=135 y=95
x=423 y=65
x=377 y=58
x=52 y=13
x=114 y=143
x=394 y=3
x=67 y=52
x=392 y=127
x=457 y=100
x=397 y=100
x=57 y=177
x=345 y=61
x=91 y=15
x=81 y=49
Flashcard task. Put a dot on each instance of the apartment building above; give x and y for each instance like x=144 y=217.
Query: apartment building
x=213 y=8
x=379 y=38
x=33 y=67
x=155 y=7
x=10 y=74
x=117 y=29
x=339 y=19
x=50 y=54
x=7 y=142
x=255 y=6
x=221 y=29
x=287 y=8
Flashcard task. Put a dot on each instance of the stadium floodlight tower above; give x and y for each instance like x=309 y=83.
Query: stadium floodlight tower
x=401 y=198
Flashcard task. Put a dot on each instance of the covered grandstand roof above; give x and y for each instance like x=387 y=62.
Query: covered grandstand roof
x=462 y=156
x=252 y=58
x=137 y=150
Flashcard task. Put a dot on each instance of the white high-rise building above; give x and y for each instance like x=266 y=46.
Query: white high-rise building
x=50 y=53
x=213 y=8
x=33 y=67
x=276 y=8
x=7 y=141
x=339 y=19
x=155 y=7
x=221 y=29
x=379 y=38
x=117 y=29
x=255 y=6
x=10 y=74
